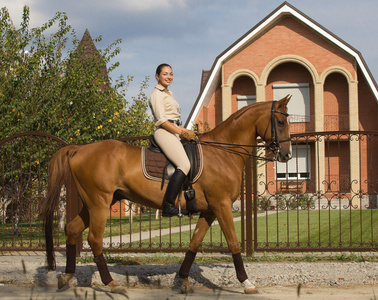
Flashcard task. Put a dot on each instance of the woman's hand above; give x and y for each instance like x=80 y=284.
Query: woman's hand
x=190 y=135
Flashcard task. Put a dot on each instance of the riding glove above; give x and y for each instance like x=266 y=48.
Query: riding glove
x=188 y=134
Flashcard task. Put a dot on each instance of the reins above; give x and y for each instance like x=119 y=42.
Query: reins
x=229 y=148
x=274 y=144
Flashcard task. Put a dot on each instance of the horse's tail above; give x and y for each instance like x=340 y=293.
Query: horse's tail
x=59 y=171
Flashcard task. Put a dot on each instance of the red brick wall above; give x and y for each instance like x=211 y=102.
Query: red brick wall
x=117 y=209
x=367 y=106
x=336 y=103
x=337 y=165
x=242 y=86
x=288 y=36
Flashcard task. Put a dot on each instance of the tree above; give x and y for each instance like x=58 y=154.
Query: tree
x=52 y=86
x=45 y=87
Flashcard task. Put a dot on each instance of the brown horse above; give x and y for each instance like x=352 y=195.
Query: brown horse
x=110 y=170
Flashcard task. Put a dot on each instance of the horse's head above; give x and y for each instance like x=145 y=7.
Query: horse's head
x=273 y=127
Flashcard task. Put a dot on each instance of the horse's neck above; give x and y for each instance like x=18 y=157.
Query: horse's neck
x=239 y=128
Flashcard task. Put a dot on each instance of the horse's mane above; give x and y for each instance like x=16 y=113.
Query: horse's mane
x=236 y=115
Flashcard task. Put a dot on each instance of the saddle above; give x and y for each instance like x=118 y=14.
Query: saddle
x=157 y=167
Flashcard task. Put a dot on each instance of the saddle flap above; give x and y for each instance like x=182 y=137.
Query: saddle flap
x=191 y=152
x=154 y=147
x=154 y=164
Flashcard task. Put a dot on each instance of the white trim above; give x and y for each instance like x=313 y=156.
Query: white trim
x=290 y=85
x=245 y=98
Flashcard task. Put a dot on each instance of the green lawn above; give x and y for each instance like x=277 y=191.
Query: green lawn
x=286 y=229
x=302 y=229
x=338 y=228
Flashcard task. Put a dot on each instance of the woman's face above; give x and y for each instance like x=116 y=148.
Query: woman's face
x=165 y=77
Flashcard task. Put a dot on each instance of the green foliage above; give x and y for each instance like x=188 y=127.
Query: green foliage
x=46 y=87
x=201 y=127
x=264 y=203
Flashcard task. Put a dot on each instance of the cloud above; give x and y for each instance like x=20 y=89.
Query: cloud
x=147 y=5
x=190 y=34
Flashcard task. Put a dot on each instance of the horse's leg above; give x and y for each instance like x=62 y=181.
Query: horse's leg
x=98 y=217
x=73 y=231
x=225 y=219
x=203 y=225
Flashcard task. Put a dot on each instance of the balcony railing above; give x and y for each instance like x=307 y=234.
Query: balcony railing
x=306 y=123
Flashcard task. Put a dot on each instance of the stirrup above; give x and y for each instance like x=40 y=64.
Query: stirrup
x=169 y=210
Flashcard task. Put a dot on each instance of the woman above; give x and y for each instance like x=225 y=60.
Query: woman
x=166 y=112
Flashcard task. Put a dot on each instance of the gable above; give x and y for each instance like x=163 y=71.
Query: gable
x=296 y=28
x=287 y=36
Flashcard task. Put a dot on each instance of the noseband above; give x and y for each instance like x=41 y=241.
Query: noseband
x=274 y=141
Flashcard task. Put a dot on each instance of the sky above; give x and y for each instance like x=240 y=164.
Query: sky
x=190 y=34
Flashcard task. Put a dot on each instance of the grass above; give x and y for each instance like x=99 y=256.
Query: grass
x=301 y=228
x=287 y=229
x=163 y=259
x=320 y=228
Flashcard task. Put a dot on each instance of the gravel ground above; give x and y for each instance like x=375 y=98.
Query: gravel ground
x=29 y=270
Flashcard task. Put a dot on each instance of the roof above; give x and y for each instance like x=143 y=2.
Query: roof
x=209 y=87
x=87 y=49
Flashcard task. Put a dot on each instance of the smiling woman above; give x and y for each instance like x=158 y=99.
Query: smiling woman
x=168 y=134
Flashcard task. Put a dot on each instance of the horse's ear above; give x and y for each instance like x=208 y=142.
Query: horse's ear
x=284 y=101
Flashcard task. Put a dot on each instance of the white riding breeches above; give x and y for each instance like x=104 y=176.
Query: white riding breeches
x=171 y=146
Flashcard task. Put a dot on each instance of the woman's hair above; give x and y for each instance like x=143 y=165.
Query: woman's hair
x=160 y=67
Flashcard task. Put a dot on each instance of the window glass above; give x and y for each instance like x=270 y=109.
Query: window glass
x=298 y=167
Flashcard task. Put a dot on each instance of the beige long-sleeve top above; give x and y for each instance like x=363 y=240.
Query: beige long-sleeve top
x=163 y=106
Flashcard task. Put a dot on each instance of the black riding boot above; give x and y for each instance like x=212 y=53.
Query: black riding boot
x=173 y=188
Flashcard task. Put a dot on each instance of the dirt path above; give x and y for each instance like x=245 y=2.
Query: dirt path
x=25 y=277
x=276 y=292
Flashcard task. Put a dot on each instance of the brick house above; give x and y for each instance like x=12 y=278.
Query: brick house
x=332 y=88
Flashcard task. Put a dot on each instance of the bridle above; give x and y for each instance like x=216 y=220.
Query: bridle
x=274 y=141
x=274 y=145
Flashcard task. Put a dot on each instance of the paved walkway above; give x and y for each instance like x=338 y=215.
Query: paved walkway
x=145 y=235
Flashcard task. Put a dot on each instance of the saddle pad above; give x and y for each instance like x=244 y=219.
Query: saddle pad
x=153 y=164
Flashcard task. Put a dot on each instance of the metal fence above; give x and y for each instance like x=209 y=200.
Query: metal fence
x=310 y=204
x=327 y=200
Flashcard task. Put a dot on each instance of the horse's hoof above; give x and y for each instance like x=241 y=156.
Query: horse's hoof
x=249 y=288
x=116 y=288
x=119 y=290
x=186 y=289
x=63 y=280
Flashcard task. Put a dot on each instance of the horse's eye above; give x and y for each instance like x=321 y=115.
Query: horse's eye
x=281 y=123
